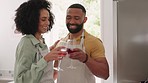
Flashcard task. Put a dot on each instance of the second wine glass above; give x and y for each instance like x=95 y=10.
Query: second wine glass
x=70 y=46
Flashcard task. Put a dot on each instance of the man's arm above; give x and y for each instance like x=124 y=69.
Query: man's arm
x=98 y=67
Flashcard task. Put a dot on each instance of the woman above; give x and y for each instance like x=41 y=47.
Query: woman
x=34 y=64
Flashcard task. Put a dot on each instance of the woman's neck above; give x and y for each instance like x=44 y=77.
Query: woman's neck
x=38 y=36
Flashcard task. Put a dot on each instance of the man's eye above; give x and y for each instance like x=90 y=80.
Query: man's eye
x=68 y=18
x=77 y=18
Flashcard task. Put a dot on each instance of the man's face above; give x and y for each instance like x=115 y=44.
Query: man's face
x=74 y=20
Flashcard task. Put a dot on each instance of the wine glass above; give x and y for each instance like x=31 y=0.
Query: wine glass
x=61 y=43
x=70 y=46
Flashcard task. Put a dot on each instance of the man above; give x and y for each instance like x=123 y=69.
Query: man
x=89 y=55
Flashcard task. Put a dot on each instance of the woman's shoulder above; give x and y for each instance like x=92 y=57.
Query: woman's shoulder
x=26 y=43
x=27 y=39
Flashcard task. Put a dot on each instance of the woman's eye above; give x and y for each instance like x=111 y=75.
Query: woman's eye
x=43 y=19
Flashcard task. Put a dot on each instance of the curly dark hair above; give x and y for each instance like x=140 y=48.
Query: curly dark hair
x=27 y=16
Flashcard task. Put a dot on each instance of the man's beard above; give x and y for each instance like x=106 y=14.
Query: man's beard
x=76 y=30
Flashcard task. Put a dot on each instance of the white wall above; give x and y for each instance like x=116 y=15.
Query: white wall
x=8 y=39
x=107 y=33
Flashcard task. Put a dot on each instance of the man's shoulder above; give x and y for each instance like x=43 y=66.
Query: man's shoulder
x=91 y=37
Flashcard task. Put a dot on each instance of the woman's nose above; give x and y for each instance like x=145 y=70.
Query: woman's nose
x=47 y=22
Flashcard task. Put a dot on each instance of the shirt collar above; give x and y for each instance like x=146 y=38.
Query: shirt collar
x=34 y=40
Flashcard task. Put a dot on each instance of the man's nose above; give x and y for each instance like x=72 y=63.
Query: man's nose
x=72 y=21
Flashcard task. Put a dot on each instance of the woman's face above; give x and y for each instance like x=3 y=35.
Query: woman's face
x=43 y=21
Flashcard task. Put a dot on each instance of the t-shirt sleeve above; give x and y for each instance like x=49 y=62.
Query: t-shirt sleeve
x=97 y=49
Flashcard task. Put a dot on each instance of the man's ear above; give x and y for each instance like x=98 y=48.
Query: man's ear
x=85 y=19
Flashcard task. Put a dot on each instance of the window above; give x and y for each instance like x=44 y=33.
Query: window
x=59 y=29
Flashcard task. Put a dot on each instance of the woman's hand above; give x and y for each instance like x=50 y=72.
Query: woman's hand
x=55 y=54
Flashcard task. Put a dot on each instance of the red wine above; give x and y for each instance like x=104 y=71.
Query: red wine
x=69 y=51
x=63 y=50
x=62 y=54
